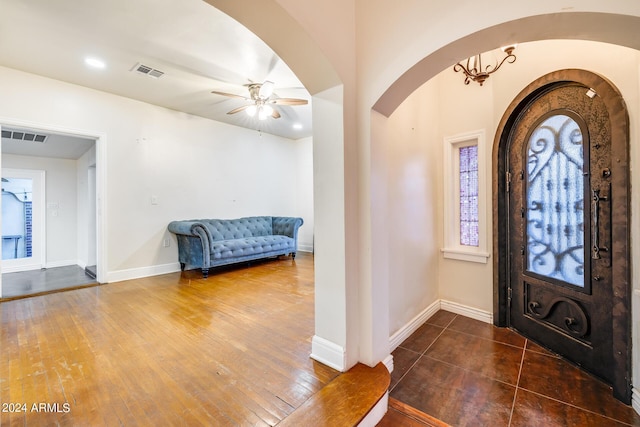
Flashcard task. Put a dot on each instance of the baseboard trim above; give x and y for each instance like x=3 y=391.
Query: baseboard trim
x=305 y=248
x=54 y=264
x=21 y=268
x=388 y=362
x=376 y=413
x=465 y=310
x=635 y=399
x=328 y=353
x=403 y=333
x=138 y=273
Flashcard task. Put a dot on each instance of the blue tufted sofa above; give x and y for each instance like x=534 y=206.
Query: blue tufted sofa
x=206 y=243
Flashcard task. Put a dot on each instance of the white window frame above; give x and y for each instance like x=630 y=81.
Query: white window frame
x=452 y=247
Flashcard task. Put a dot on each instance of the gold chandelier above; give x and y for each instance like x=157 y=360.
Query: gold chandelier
x=474 y=70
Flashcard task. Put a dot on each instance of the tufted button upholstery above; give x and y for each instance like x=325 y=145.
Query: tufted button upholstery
x=225 y=229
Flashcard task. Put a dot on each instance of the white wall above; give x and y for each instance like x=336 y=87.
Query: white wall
x=86 y=242
x=303 y=183
x=61 y=199
x=412 y=156
x=197 y=168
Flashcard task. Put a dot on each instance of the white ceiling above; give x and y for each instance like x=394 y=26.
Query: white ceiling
x=199 y=49
x=54 y=145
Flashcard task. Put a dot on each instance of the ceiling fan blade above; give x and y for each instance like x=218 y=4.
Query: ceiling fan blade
x=289 y=101
x=230 y=95
x=237 y=110
x=266 y=90
x=275 y=114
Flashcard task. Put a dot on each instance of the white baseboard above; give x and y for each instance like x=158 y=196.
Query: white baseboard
x=376 y=413
x=305 y=248
x=328 y=353
x=465 y=310
x=54 y=264
x=137 y=273
x=635 y=399
x=403 y=333
x=19 y=268
x=388 y=362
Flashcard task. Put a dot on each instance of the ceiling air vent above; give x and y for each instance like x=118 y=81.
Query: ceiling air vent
x=23 y=136
x=148 y=71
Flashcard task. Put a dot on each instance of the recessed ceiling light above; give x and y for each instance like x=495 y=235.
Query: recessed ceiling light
x=297 y=126
x=95 y=63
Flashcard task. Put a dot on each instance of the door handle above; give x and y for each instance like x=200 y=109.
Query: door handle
x=595 y=233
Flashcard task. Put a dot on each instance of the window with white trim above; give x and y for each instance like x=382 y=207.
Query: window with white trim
x=465 y=236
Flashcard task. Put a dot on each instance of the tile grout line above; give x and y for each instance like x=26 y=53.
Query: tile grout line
x=576 y=406
x=422 y=353
x=515 y=395
x=486 y=339
x=438 y=337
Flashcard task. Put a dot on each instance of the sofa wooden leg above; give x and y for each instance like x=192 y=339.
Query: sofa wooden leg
x=293 y=255
x=182 y=266
x=205 y=273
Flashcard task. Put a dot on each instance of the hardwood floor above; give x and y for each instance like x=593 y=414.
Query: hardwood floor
x=469 y=373
x=166 y=350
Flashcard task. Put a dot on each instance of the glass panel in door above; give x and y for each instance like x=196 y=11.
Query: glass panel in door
x=22 y=219
x=17 y=218
x=555 y=201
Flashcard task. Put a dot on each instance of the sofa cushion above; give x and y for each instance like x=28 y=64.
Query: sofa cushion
x=237 y=248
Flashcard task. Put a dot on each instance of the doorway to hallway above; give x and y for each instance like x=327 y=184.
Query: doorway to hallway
x=67 y=206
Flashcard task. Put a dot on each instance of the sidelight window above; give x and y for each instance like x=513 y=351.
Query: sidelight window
x=468 y=182
x=465 y=198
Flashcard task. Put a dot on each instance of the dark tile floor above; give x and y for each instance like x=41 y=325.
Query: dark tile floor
x=469 y=373
x=35 y=282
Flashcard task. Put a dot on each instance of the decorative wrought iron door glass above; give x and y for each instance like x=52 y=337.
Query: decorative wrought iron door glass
x=555 y=200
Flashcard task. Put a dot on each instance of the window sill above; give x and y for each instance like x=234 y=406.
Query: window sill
x=466 y=255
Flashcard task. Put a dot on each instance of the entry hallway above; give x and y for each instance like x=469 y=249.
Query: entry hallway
x=469 y=373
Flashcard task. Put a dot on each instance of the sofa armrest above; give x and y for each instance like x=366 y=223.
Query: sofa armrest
x=193 y=229
x=182 y=227
x=287 y=226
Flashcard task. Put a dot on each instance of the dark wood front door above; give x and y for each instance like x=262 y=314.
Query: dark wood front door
x=560 y=199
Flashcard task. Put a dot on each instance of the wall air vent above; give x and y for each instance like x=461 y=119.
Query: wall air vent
x=147 y=71
x=23 y=136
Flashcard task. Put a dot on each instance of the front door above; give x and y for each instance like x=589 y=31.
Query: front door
x=560 y=198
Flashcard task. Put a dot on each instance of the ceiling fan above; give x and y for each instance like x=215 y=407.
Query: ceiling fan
x=261 y=102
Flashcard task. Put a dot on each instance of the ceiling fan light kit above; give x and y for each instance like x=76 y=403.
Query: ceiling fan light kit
x=261 y=102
